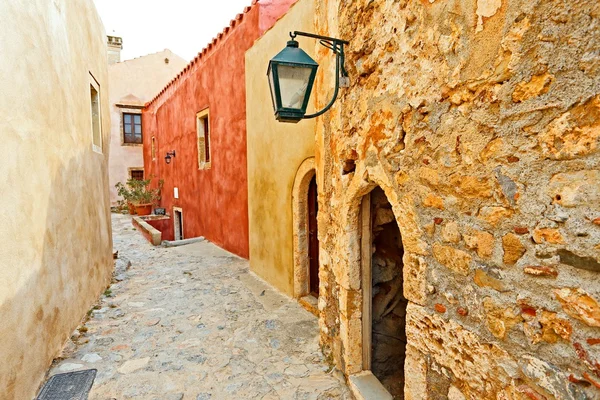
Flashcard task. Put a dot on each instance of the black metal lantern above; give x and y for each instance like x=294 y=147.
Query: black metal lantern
x=292 y=74
x=169 y=156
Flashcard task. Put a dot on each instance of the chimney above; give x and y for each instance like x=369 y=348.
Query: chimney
x=115 y=45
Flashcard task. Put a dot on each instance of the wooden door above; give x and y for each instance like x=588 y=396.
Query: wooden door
x=178 y=224
x=313 y=240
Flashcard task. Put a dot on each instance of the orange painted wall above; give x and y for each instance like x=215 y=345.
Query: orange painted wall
x=214 y=201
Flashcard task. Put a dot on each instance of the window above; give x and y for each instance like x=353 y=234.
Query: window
x=95 y=113
x=153 y=148
x=137 y=174
x=203 y=129
x=132 y=128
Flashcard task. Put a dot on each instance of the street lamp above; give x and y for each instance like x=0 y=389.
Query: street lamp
x=169 y=155
x=292 y=75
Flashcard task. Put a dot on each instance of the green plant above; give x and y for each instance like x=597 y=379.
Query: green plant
x=125 y=191
x=121 y=206
x=138 y=191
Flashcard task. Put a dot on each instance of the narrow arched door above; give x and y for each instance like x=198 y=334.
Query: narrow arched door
x=313 y=239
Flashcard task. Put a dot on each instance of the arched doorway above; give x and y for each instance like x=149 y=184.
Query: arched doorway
x=384 y=305
x=313 y=239
x=306 y=243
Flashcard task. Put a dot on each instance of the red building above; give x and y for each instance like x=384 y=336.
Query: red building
x=200 y=119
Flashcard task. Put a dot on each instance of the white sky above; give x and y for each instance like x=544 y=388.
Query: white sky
x=182 y=26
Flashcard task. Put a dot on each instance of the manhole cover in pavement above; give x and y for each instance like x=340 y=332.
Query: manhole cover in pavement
x=69 y=386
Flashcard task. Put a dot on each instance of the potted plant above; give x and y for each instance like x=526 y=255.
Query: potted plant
x=126 y=192
x=144 y=197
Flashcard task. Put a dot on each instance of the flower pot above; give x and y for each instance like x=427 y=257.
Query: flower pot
x=143 y=209
x=131 y=208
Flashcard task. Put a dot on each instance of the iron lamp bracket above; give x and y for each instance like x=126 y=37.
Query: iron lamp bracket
x=341 y=75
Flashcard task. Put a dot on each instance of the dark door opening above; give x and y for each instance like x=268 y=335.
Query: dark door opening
x=313 y=240
x=388 y=312
x=178 y=224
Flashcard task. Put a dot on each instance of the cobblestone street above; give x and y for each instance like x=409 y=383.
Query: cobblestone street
x=191 y=322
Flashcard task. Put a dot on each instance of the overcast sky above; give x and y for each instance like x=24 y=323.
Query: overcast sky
x=182 y=26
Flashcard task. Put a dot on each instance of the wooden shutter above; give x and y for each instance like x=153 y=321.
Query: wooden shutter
x=201 y=150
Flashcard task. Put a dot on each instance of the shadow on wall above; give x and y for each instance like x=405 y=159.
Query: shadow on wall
x=76 y=265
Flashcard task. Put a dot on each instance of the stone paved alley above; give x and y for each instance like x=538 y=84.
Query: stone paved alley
x=192 y=323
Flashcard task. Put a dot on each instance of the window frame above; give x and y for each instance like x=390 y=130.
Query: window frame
x=95 y=86
x=136 y=169
x=133 y=112
x=203 y=139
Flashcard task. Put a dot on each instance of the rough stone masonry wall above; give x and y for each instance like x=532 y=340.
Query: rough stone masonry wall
x=480 y=119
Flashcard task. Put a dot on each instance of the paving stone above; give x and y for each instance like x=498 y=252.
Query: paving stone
x=133 y=365
x=91 y=358
x=68 y=367
x=190 y=322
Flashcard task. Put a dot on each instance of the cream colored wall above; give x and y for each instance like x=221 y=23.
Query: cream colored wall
x=275 y=152
x=142 y=77
x=55 y=252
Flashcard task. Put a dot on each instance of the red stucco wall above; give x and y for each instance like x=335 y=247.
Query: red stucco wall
x=165 y=226
x=214 y=201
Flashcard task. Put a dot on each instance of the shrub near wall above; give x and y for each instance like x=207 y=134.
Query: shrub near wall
x=481 y=122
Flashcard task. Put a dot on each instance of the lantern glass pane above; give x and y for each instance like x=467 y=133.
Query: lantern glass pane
x=293 y=82
x=272 y=86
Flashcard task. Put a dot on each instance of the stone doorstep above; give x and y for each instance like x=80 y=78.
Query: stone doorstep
x=310 y=304
x=366 y=386
x=153 y=217
x=153 y=235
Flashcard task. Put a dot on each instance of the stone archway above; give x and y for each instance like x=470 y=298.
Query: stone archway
x=354 y=330
x=383 y=303
x=305 y=174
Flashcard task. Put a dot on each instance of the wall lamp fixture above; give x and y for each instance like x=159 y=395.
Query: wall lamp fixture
x=292 y=74
x=169 y=156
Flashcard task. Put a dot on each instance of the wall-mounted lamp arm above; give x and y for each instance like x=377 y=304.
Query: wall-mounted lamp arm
x=337 y=46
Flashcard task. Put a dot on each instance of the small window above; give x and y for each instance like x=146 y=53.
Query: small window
x=95 y=112
x=203 y=128
x=137 y=174
x=132 y=128
x=153 y=148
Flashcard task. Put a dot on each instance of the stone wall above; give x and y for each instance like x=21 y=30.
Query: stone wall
x=480 y=120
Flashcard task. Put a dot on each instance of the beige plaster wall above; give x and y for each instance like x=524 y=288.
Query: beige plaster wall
x=480 y=121
x=143 y=78
x=275 y=152
x=56 y=245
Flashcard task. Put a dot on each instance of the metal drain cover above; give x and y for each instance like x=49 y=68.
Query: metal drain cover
x=69 y=386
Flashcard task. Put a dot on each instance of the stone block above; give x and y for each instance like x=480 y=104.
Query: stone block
x=494 y=215
x=538 y=85
x=415 y=388
x=499 y=319
x=573 y=189
x=579 y=262
x=415 y=278
x=579 y=305
x=482 y=242
x=548 y=235
x=454 y=259
x=513 y=249
x=482 y=367
x=541 y=270
x=451 y=233
x=433 y=201
x=550 y=378
x=574 y=133
x=482 y=279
